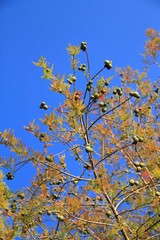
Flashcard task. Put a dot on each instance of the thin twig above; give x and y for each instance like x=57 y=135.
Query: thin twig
x=109 y=112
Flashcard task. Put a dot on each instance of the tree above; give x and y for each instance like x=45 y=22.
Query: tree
x=104 y=181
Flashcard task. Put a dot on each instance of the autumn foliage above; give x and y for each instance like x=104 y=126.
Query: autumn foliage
x=98 y=169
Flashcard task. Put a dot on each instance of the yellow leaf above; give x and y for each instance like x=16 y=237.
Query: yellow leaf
x=41 y=63
x=73 y=50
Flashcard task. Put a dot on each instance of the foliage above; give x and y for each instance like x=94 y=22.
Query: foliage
x=104 y=181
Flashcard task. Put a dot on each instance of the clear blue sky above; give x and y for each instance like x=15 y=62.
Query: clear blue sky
x=113 y=29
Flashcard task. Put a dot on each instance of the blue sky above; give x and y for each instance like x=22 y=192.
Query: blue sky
x=113 y=30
